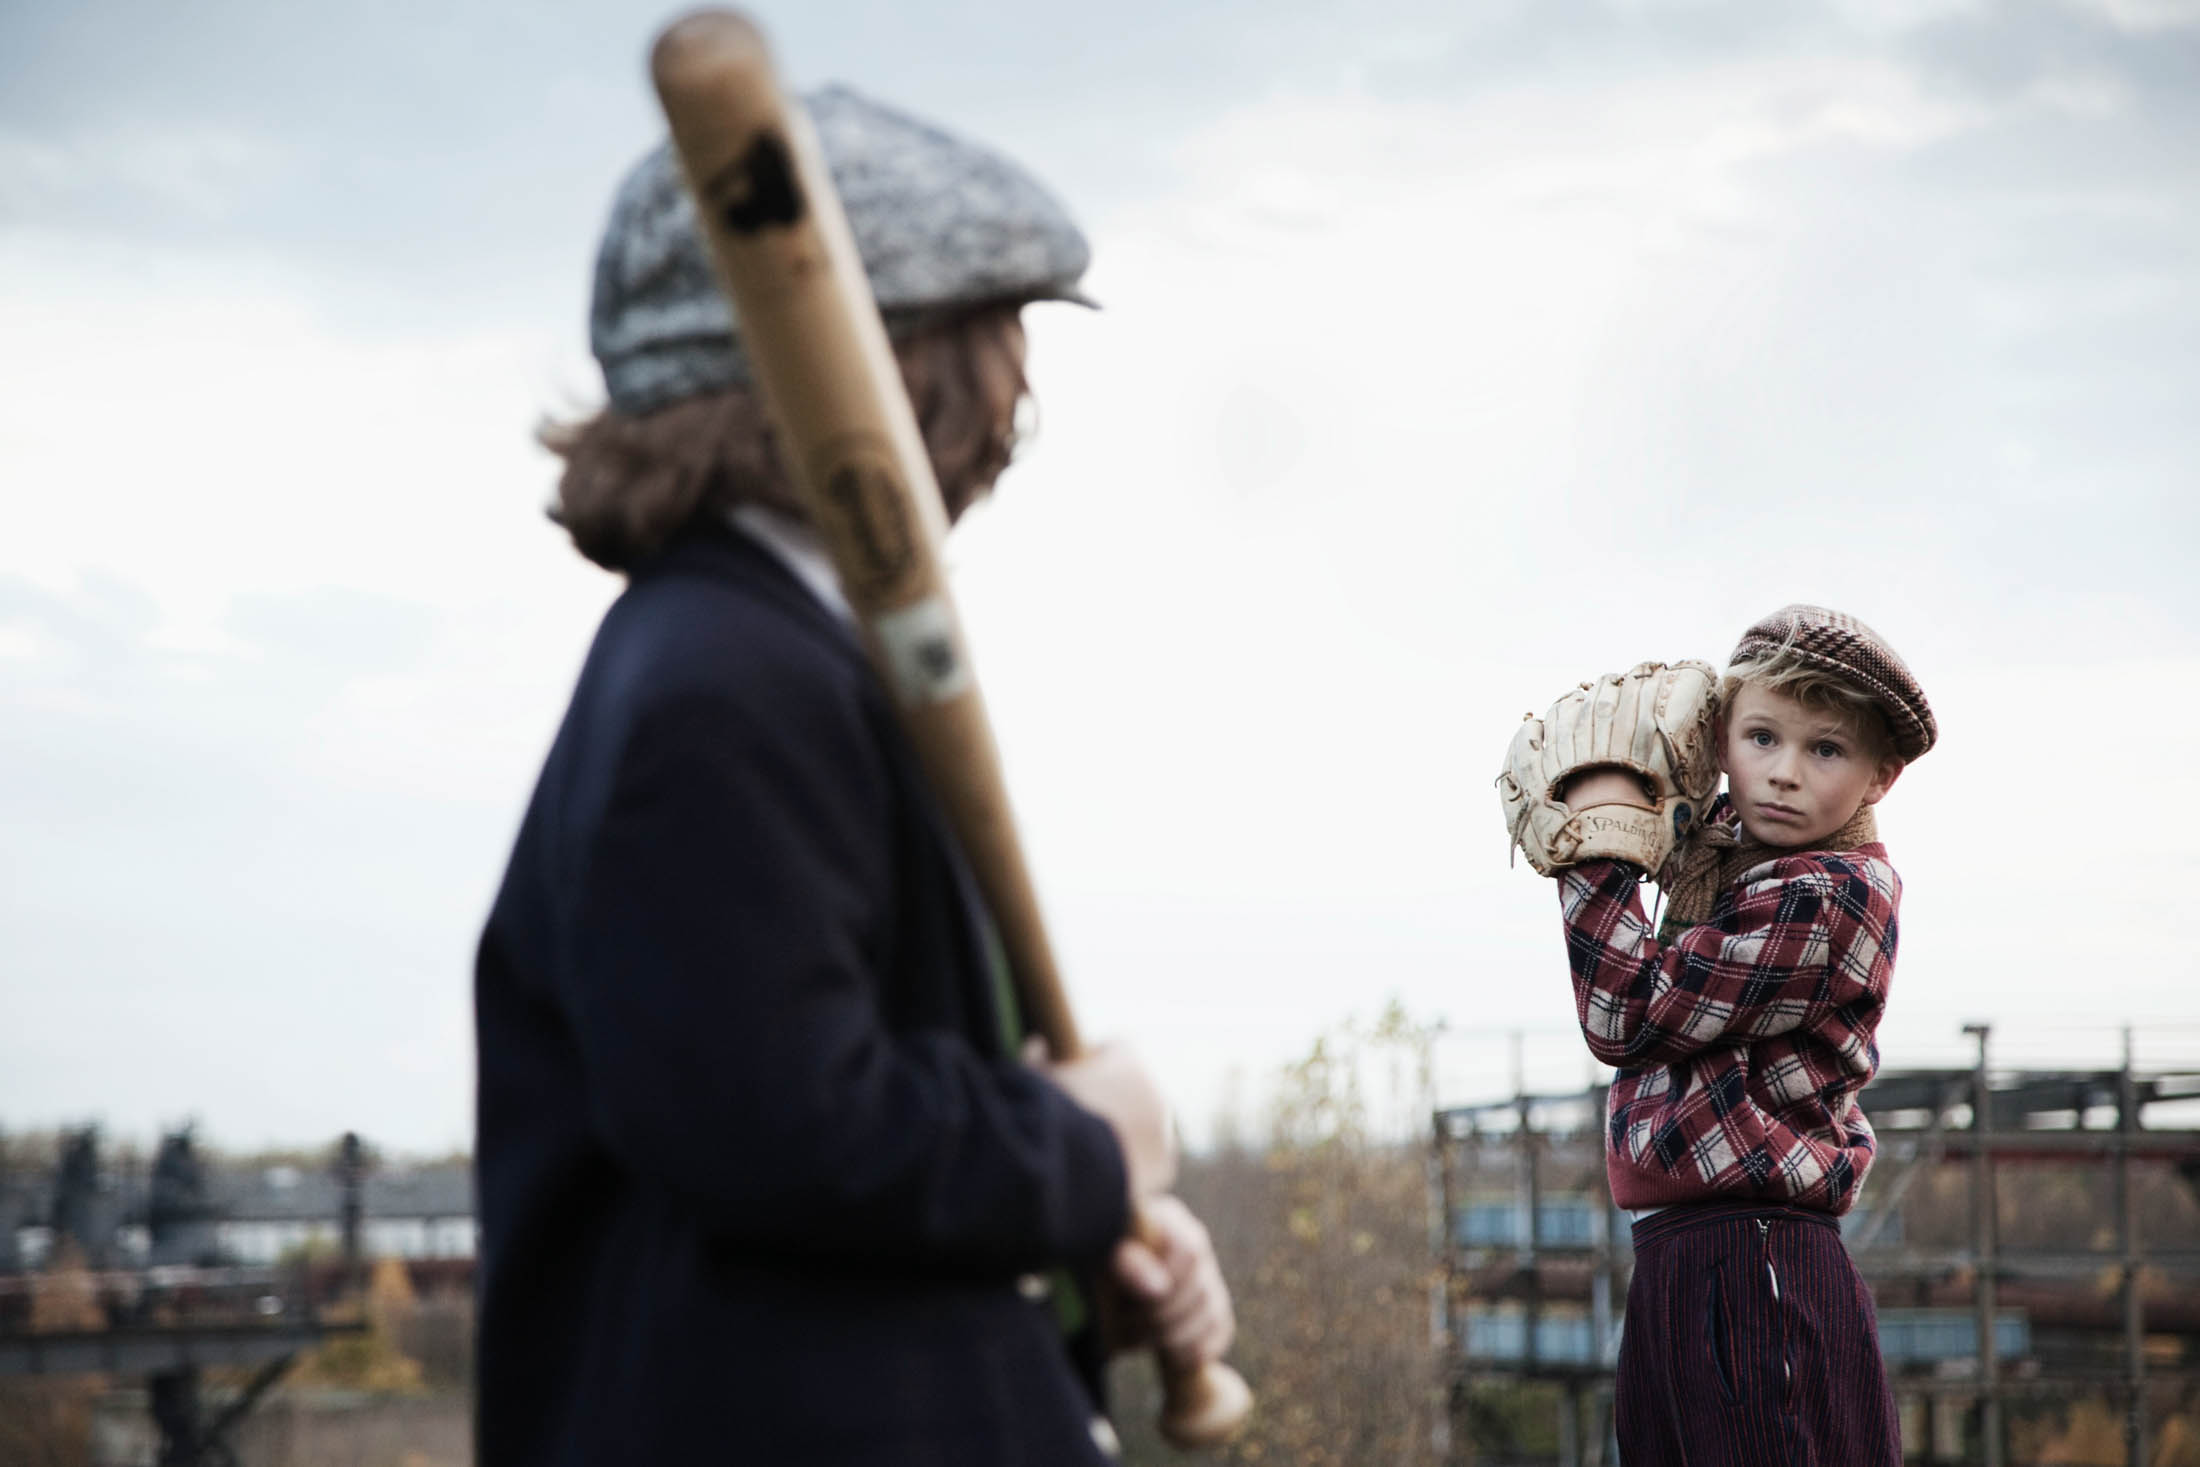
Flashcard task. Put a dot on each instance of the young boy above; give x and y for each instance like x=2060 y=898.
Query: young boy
x=1741 y=1033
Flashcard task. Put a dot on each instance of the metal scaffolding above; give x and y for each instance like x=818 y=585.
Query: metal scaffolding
x=171 y=1316
x=1536 y=1260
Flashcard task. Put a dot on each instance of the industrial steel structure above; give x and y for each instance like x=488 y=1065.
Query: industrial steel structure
x=1536 y=1261
x=121 y=1276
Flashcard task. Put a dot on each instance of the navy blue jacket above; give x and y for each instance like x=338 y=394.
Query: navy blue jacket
x=757 y=1178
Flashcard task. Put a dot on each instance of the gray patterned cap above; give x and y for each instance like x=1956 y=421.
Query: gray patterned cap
x=942 y=225
x=1856 y=654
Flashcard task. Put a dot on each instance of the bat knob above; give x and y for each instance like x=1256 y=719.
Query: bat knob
x=705 y=38
x=1205 y=1407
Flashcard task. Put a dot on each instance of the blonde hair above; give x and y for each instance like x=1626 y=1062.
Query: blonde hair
x=631 y=484
x=1792 y=674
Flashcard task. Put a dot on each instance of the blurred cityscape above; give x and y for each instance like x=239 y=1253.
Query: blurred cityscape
x=2031 y=1234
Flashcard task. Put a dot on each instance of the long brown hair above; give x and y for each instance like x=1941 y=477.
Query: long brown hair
x=631 y=484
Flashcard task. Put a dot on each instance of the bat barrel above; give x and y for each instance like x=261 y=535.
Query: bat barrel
x=787 y=260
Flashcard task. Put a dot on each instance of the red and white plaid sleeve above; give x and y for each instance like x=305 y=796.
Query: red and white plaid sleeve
x=1805 y=938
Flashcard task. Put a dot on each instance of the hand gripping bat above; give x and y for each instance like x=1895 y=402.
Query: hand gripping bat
x=786 y=258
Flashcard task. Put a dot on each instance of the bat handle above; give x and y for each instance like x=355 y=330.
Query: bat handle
x=1203 y=1406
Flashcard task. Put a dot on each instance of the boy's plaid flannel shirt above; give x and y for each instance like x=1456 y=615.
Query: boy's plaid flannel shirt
x=1740 y=1043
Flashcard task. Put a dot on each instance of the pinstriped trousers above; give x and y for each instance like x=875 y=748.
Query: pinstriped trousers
x=1750 y=1341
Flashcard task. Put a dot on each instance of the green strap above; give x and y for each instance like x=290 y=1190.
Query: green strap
x=1006 y=1010
x=1070 y=1312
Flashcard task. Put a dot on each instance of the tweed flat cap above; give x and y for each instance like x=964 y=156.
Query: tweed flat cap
x=942 y=224
x=1857 y=655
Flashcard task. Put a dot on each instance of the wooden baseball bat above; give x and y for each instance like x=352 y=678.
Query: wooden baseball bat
x=787 y=260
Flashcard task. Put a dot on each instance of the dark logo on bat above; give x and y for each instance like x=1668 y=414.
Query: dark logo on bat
x=936 y=655
x=757 y=190
x=862 y=492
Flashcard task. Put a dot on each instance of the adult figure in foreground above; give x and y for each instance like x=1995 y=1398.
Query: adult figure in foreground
x=762 y=1176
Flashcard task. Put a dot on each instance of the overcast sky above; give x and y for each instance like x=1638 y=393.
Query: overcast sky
x=1453 y=352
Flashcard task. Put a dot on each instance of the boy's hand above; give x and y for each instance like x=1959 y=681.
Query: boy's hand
x=1604 y=787
x=1619 y=769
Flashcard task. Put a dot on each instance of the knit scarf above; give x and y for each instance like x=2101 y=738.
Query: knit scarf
x=1715 y=857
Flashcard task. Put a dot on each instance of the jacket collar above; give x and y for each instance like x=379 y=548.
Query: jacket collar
x=719 y=552
x=797 y=547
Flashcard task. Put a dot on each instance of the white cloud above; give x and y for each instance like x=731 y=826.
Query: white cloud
x=198 y=433
x=1402 y=415
x=2085 y=93
x=2145 y=16
x=298 y=638
x=1894 y=17
x=198 y=170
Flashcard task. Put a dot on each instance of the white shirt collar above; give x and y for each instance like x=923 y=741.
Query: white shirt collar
x=797 y=547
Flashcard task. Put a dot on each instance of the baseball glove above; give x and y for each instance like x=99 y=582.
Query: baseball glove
x=1653 y=720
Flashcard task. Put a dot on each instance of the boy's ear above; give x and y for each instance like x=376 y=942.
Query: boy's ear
x=1890 y=770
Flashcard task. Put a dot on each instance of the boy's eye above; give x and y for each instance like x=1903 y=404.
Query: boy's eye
x=1829 y=751
x=1762 y=738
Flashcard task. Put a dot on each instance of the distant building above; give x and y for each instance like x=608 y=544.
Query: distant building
x=416 y=1212
x=249 y=1216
